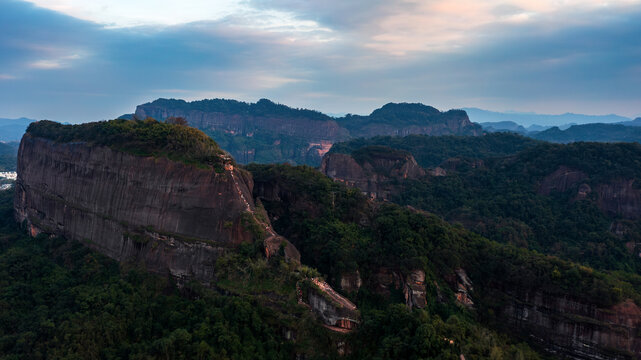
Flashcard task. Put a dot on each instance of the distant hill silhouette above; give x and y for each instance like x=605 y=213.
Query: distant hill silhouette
x=592 y=132
x=267 y=132
x=13 y=129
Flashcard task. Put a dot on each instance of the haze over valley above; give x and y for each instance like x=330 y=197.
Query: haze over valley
x=291 y=180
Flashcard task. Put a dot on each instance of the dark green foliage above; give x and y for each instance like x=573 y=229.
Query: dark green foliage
x=263 y=107
x=403 y=114
x=498 y=197
x=601 y=162
x=500 y=201
x=395 y=332
x=338 y=232
x=431 y=151
x=8 y=156
x=60 y=300
x=144 y=138
x=367 y=154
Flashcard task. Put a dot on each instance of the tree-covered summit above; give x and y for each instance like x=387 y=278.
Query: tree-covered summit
x=139 y=137
x=263 y=107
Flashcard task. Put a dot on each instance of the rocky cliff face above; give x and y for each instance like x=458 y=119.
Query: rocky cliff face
x=243 y=124
x=577 y=330
x=175 y=218
x=277 y=133
x=385 y=280
x=336 y=311
x=618 y=197
x=561 y=180
x=408 y=119
x=374 y=175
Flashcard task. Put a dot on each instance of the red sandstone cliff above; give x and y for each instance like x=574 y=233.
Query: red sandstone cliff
x=173 y=217
x=374 y=175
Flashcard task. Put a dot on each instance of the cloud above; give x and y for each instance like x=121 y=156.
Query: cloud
x=335 y=56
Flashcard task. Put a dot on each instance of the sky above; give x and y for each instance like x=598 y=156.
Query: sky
x=78 y=60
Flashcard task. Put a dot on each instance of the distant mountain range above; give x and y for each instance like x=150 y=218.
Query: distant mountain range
x=267 y=132
x=591 y=132
x=12 y=129
x=529 y=119
x=599 y=128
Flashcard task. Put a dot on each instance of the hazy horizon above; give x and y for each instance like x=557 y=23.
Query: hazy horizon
x=74 y=61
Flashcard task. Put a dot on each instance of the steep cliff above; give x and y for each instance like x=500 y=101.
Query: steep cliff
x=406 y=119
x=239 y=118
x=387 y=253
x=173 y=217
x=375 y=170
x=576 y=329
x=266 y=132
x=176 y=217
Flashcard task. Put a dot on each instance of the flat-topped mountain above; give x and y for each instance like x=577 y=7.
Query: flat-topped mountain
x=410 y=118
x=162 y=194
x=166 y=198
x=266 y=132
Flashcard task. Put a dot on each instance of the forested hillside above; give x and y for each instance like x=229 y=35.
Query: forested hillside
x=577 y=201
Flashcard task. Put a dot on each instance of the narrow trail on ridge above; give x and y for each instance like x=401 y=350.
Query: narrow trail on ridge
x=248 y=208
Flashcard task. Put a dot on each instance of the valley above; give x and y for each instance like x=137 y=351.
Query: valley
x=468 y=237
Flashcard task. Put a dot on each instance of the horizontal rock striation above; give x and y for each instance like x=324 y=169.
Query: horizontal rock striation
x=374 y=175
x=305 y=135
x=577 y=330
x=174 y=218
x=617 y=197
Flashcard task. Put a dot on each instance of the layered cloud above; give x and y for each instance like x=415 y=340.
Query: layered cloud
x=74 y=60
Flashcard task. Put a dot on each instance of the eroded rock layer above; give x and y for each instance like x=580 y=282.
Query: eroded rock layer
x=173 y=217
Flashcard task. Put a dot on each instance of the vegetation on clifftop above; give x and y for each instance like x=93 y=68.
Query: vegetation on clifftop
x=491 y=185
x=263 y=107
x=139 y=137
x=430 y=151
x=337 y=232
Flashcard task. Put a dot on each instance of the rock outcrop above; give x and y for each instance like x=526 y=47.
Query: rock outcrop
x=376 y=171
x=412 y=285
x=402 y=119
x=336 y=311
x=244 y=119
x=577 y=330
x=277 y=133
x=561 y=180
x=174 y=218
x=617 y=197
x=351 y=282
x=620 y=197
x=414 y=290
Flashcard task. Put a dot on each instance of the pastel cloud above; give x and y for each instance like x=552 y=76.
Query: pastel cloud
x=67 y=63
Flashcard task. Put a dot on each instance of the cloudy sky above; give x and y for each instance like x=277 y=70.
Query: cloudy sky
x=78 y=60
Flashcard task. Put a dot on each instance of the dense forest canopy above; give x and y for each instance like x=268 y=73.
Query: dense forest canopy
x=334 y=240
x=402 y=114
x=431 y=151
x=139 y=137
x=499 y=197
x=8 y=153
x=263 y=107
